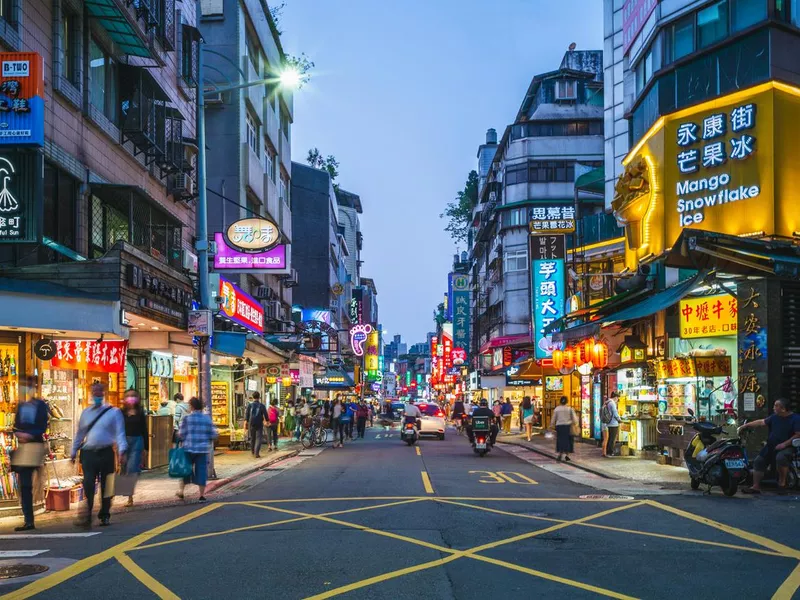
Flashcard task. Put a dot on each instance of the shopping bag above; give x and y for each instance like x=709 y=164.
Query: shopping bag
x=125 y=484
x=108 y=491
x=179 y=464
x=28 y=454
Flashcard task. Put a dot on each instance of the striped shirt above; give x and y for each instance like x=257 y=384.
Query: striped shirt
x=197 y=432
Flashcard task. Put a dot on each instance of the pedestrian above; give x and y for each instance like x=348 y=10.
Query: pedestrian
x=505 y=412
x=197 y=435
x=336 y=422
x=100 y=428
x=348 y=416
x=30 y=425
x=564 y=419
x=783 y=426
x=371 y=414
x=181 y=409
x=361 y=417
x=164 y=410
x=254 y=418
x=135 y=434
x=497 y=410
x=605 y=418
x=526 y=416
x=289 y=419
x=613 y=423
x=298 y=418
x=274 y=415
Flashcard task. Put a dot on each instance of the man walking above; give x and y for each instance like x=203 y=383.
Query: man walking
x=254 y=423
x=101 y=426
x=361 y=418
x=612 y=423
x=181 y=410
x=30 y=425
x=506 y=411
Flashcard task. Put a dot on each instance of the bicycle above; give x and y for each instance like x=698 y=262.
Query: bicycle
x=314 y=435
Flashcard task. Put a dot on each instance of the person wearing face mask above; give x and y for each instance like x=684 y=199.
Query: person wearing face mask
x=136 y=434
x=101 y=426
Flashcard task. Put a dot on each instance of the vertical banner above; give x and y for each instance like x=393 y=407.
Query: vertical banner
x=753 y=315
x=461 y=312
x=447 y=345
x=371 y=355
x=548 y=286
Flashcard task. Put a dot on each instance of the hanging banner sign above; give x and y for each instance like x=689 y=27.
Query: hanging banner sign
x=103 y=357
x=21 y=99
x=698 y=366
x=253 y=235
x=548 y=285
x=240 y=307
x=461 y=312
x=275 y=260
x=371 y=354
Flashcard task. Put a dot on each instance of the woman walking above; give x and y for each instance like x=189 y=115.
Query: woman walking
x=136 y=434
x=604 y=411
x=336 y=422
x=526 y=416
x=274 y=416
x=197 y=434
x=564 y=418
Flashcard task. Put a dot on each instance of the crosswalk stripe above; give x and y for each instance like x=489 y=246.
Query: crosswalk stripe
x=42 y=536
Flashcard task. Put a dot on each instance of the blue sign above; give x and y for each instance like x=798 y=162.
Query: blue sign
x=548 y=302
x=461 y=311
x=21 y=99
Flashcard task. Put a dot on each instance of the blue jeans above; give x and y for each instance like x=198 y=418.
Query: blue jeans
x=199 y=468
x=135 y=449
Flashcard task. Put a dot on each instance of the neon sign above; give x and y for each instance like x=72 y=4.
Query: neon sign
x=358 y=335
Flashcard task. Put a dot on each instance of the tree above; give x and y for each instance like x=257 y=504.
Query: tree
x=459 y=212
x=276 y=12
x=328 y=163
x=301 y=65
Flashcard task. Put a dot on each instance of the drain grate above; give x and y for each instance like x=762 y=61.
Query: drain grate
x=14 y=571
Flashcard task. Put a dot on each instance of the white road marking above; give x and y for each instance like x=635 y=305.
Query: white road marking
x=21 y=553
x=43 y=536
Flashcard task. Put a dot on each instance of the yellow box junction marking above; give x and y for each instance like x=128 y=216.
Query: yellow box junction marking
x=504 y=477
x=145 y=578
x=789 y=587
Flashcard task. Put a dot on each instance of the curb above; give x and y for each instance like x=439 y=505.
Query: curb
x=218 y=483
x=572 y=463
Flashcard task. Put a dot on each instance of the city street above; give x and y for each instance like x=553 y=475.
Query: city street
x=379 y=519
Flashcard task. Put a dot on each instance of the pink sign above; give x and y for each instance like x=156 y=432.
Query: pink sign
x=228 y=259
x=634 y=15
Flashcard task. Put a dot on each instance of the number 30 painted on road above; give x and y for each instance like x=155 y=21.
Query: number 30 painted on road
x=504 y=477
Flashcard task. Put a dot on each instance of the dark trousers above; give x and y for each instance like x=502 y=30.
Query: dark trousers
x=612 y=439
x=361 y=426
x=25 y=475
x=338 y=427
x=97 y=463
x=256 y=438
x=272 y=435
x=349 y=427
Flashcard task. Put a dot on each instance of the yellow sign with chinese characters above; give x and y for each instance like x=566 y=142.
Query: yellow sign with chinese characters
x=694 y=366
x=708 y=316
x=371 y=355
x=728 y=165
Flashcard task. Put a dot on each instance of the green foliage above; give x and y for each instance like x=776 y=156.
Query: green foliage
x=459 y=212
x=327 y=163
x=302 y=65
x=276 y=12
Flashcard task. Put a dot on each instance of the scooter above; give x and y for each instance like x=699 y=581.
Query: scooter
x=771 y=475
x=408 y=432
x=713 y=462
x=481 y=435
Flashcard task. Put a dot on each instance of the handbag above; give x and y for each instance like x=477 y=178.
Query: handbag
x=179 y=464
x=574 y=428
x=28 y=454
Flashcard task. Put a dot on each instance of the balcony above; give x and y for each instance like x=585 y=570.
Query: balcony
x=255 y=93
x=597 y=228
x=126 y=23
x=254 y=172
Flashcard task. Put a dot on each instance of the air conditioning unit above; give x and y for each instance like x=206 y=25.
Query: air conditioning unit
x=291 y=280
x=213 y=97
x=261 y=292
x=189 y=261
x=182 y=186
x=272 y=310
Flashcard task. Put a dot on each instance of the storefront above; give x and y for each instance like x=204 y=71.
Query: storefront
x=331 y=383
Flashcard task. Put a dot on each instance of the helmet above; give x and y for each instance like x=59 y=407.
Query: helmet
x=484 y=402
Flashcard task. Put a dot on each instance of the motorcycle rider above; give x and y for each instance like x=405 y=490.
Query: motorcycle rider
x=412 y=414
x=483 y=411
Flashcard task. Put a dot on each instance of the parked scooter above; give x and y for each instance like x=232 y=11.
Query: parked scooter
x=713 y=462
x=408 y=432
x=481 y=435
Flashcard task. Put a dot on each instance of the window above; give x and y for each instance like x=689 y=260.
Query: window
x=60 y=194
x=166 y=23
x=644 y=72
x=282 y=190
x=516 y=174
x=561 y=128
x=253 y=139
x=545 y=171
x=679 y=39
x=269 y=163
x=515 y=260
x=189 y=62
x=69 y=47
x=566 y=89
x=102 y=81
x=712 y=24
x=6 y=11
x=251 y=50
x=745 y=13
x=515 y=218
x=108 y=225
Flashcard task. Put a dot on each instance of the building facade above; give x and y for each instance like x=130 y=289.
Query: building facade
x=248 y=132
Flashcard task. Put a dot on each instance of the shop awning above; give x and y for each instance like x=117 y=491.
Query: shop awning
x=563 y=332
x=646 y=307
x=332 y=380
x=262 y=352
x=111 y=16
x=593 y=182
x=735 y=255
x=506 y=340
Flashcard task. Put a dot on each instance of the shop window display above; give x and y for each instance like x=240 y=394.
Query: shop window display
x=9 y=397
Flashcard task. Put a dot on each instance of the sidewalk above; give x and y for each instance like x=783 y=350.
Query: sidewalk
x=157 y=490
x=589 y=458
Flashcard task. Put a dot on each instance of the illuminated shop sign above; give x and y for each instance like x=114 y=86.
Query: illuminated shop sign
x=358 y=336
x=708 y=316
x=706 y=145
x=240 y=307
x=253 y=235
x=548 y=284
x=21 y=99
x=552 y=219
x=461 y=312
x=20 y=197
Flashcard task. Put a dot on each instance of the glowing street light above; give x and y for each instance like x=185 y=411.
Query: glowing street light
x=290 y=78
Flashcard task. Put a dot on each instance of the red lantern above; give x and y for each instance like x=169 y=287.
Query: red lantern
x=569 y=358
x=600 y=355
x=584 y=352
x=558 y=359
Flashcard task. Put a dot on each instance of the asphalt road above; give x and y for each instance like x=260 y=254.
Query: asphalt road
x=379 y=519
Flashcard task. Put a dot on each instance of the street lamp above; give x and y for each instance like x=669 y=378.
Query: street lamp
x=286 y=77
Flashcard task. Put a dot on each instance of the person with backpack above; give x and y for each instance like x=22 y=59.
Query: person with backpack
x=609 y=420
x=254 y=419
x=362 y=414
x=274 y=416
